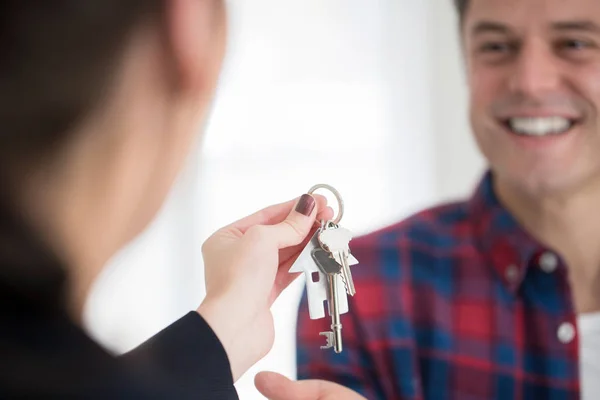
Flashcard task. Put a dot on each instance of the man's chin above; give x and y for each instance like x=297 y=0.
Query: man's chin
x=546 y=183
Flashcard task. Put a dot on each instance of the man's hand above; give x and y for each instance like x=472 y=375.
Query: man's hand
x=246 y=268
x=277 y=387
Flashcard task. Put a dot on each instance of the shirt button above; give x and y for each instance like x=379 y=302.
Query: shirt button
x=566 y=332
x=512 y=273
x=548 y=262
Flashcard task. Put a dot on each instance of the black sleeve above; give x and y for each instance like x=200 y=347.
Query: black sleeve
x=189 y=352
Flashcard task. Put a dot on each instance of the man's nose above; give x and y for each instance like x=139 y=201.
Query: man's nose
x=536 y=71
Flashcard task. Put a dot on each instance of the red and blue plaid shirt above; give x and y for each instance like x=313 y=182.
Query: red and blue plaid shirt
x=455 y=302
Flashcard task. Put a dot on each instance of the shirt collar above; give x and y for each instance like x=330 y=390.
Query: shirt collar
x=505 y=244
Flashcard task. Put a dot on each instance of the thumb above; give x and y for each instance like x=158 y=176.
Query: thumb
x=275 y=386
x=294 y=229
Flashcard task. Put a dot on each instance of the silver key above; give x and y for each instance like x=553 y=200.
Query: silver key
x=336 y=239
x=332 y=269
x=321 y=286
x=316 y=281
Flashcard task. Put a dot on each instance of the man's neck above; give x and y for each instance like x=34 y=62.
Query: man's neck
x=568 y=224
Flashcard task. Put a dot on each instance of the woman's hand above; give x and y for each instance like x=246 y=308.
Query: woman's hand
x=246 y=268
x=277 y=387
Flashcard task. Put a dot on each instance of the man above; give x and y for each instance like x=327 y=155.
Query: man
x=497 y=296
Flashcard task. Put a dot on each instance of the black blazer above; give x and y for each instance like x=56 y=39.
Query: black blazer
x=43 y=354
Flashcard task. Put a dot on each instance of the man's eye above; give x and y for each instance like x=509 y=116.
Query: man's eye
x=575 y=44
x=495 y=47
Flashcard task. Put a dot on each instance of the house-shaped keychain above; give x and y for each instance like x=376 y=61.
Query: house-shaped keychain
x=316 y=280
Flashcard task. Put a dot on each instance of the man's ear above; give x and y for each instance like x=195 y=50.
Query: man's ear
x=189 y=28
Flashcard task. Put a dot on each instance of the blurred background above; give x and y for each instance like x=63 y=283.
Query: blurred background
x=366 y=95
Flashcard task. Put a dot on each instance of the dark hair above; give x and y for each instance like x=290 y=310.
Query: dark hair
x=58 y=59
x=461 y=8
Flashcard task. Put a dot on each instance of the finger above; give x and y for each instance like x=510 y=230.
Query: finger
x=284 y=278
x=325 y=212
x=293 y=251
x=273 y=214
x=275 y=386
x=288 y=256
x=282 y=281
x=294 y=229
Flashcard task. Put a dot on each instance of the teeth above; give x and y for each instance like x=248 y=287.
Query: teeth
x=540 y=126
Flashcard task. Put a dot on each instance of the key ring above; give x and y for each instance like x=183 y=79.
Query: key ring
x=337 y=195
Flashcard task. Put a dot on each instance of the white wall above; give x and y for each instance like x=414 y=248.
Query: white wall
x=366 y=95
x=459 y=164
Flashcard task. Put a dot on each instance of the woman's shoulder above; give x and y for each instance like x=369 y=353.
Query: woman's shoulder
x=44 y=354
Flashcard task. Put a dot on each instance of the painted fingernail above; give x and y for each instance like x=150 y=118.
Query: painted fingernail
x=306 y=204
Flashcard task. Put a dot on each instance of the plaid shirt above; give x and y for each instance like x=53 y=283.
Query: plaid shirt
x=455 y=302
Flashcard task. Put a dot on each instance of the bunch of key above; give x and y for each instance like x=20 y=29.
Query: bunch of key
x=326 y=262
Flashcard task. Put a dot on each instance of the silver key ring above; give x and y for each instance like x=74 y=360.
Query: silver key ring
x=337 y=196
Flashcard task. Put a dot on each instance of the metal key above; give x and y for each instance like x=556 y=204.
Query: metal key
x=322 y=286
x=332 y=269
x=336 y=240
x=317 y=285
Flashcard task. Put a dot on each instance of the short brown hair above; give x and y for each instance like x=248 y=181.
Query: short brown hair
x=461 y=8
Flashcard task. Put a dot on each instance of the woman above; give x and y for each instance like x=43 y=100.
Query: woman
x=99 y=102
